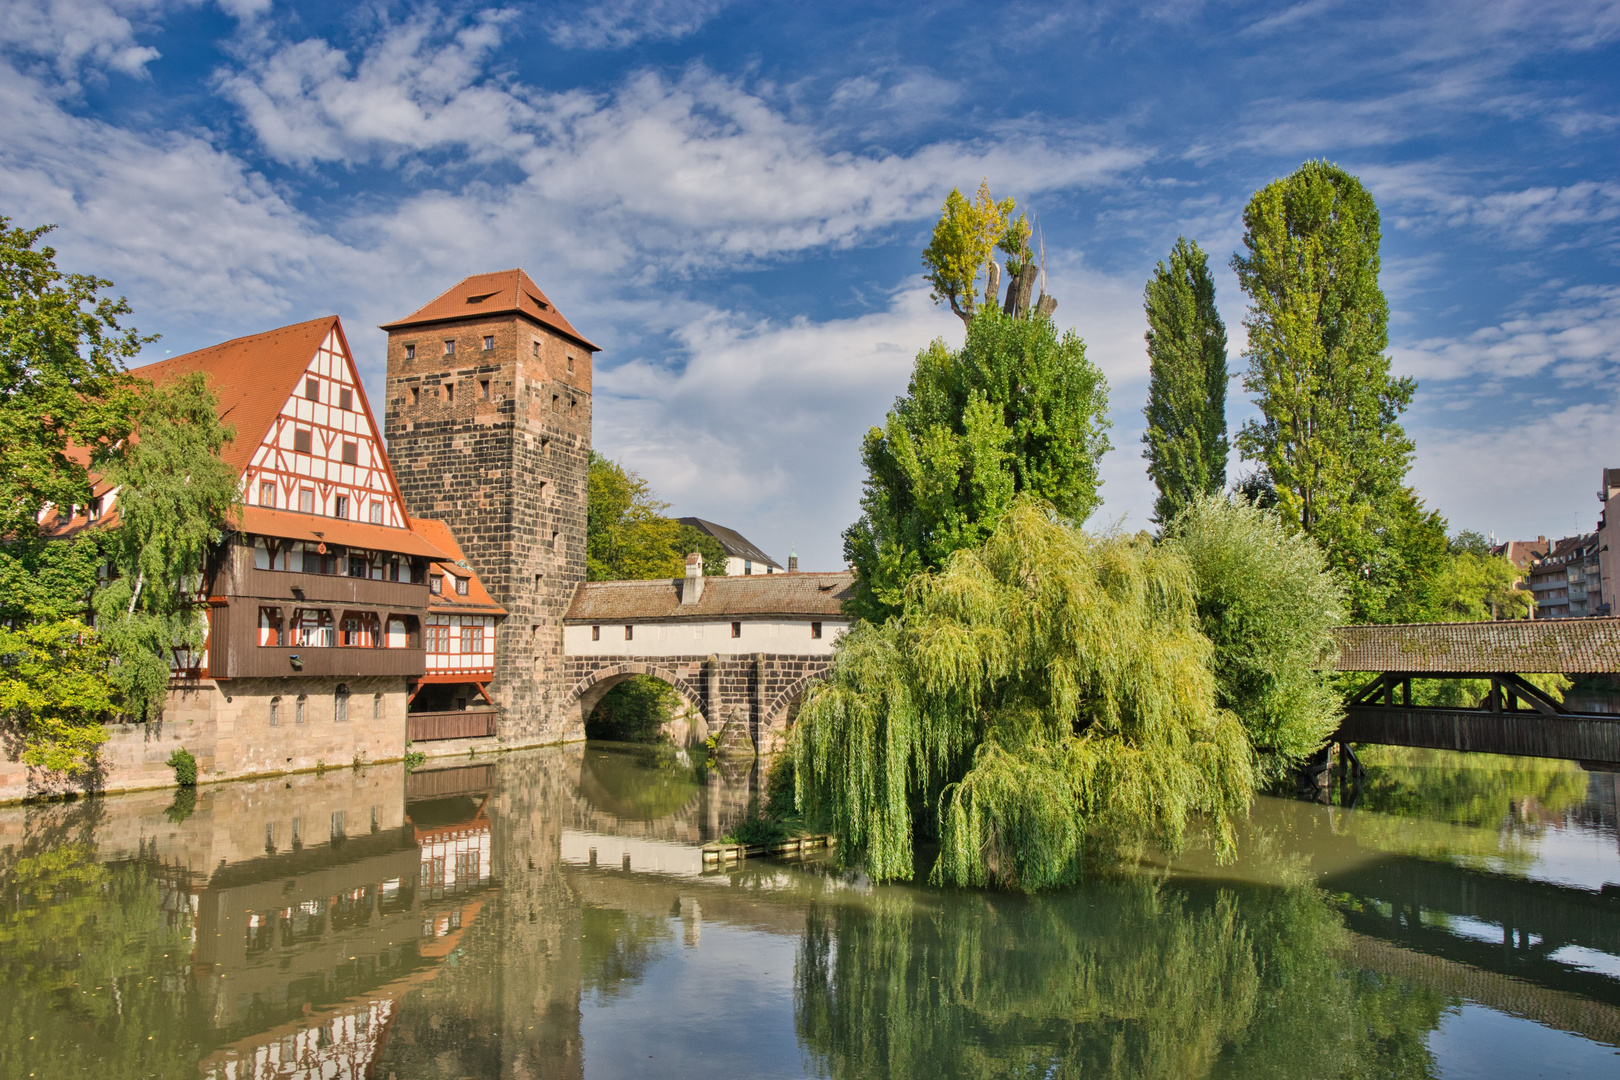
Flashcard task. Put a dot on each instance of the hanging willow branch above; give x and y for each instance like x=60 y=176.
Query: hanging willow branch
x=1043 y=692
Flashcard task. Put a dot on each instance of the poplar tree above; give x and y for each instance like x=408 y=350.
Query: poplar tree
x=1328 y=436
x=1186 y=408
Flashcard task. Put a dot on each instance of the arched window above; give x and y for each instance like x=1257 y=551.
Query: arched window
x=340 y=703
x=275 y=712
x=376 y=714
x=300 y=713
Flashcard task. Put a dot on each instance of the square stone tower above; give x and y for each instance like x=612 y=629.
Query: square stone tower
x=488 y=420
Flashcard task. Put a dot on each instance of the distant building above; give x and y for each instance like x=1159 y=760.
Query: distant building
x=1566 y=582
x=1607 y=584
x=1521 y=553
x=743 y=557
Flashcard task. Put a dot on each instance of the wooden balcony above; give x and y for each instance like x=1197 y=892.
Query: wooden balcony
x=456 y=724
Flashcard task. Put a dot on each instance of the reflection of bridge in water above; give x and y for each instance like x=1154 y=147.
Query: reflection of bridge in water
x=1515 y=717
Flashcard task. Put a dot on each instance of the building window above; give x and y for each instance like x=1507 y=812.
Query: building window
x=271 y=632
x=629 y=633
x=351 y=453
x=359 y=564
x=483 y=389
x=438 y=638
x=339 y=824
x=472 y=641
x=267 y=493
x=312 y=389
x=416 y=395
x=535 y=346
x=340 y=506
x=461 y=586
x=398 y=634
x=596 y=633
x=376 y=714
x=450 y=392
x=340 y=713
x=436 y=585
x=736 y=629
x=489 y=342
x=275 y=712
x=570 y=365
x=346 y=399
x=306 y=500
x=748 y=566
x=573 y=407
x=302 y=442
x=537 y=583
x=311 y=628
x=450 y=347
x=410 y=352
x=300 y=713
x=556 y=400
x=377 y=516
x=815 y=630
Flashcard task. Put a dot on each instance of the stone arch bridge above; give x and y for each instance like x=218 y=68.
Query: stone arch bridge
x=738 y=651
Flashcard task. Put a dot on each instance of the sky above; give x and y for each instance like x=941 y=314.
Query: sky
x=731 y=196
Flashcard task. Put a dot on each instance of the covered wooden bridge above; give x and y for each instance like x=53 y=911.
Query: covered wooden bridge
x=1514 y=718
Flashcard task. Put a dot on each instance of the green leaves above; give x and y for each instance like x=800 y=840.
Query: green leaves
x=963 y=241
x=627 y=536
x=54 y=692
x=1018 y=410
x=1186 y=409
x=1043 y=692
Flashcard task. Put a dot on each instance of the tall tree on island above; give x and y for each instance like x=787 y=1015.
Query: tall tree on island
x=1186 y=408
x=1329 y=436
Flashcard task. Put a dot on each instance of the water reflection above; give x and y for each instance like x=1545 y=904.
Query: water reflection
x=545 y=914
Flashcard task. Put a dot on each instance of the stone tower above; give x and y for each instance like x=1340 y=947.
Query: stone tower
x=488 y=420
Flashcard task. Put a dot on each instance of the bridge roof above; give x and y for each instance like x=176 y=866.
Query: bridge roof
x=1569 y=646
x=758 y=596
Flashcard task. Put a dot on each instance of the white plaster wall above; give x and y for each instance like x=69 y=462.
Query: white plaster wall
x=704 y=638
x=734 y=567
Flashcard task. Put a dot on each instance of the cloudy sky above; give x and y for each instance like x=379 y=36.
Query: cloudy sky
x=730 y=198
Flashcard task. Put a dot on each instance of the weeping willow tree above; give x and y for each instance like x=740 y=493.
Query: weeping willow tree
x=1042 y=692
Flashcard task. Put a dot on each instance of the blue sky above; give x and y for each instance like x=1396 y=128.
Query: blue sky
x=731 y=199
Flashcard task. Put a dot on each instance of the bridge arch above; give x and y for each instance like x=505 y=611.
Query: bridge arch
x=780 y=713
x=590 y=690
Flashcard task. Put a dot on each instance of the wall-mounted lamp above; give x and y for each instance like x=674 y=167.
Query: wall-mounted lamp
x=298 y=665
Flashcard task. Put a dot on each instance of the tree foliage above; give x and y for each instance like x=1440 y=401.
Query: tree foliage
x=54 y=692
x=62 y=351
x=1471 y=588
x=1186 y=408
x=1019 y=409
x=1268 y=604
x=635 y=710
x=1328 y=435
x=1043 y=691
x=963 y=242
x=175 y=496
x=629 y=538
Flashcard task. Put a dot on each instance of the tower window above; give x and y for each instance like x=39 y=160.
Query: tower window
x=303 y=442
x=312 y=389
x=573 y=407
x=351 y=453
x=267 y=493
x=570 y=364
x=346 y=399
x=489 y=342
x=416 y=395
x=450 y=347
x=450 y=392
x=536 y=345
x=410 y=352
x=555 y=403
x=483 y=389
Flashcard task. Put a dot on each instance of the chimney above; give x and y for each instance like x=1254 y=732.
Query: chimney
x=793 y=562
x=693 y=592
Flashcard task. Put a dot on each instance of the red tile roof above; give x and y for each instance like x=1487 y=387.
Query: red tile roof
x=252 y=376
x=477 y=601
x=499 y=293
x=759 y=596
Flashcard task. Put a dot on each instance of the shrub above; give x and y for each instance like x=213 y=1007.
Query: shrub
x=184 y=766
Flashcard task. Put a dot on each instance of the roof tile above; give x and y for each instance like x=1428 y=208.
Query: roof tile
x=793 y=595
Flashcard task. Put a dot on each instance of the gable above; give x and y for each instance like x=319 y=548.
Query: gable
x=323 y=445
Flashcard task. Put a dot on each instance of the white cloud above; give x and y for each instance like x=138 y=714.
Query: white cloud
x=1576 y=342
x=77 y=34
x=615 y=24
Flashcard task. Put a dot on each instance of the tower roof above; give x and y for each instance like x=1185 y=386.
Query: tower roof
x=503 y=292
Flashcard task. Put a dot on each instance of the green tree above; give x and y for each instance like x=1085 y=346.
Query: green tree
x=1019 y=409
x=1328 y=435
x=54 y=692
x=1044 y=691
x=961 y=247
x=175 y=495
x=62 y=352
x=1268 y=604
x=629 y=538
x=1186 y=408
x=1472 y=588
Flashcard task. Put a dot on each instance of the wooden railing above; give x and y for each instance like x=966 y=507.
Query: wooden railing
x=455 y=724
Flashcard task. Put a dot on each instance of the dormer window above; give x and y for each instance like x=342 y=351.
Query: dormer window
x=436 y=585
x=461 y=586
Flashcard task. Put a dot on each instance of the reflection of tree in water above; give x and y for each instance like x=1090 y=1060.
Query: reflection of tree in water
x=1468 y=789
x=616 y=947
x=638 y=783
x=94 y=958
x=1117 y=978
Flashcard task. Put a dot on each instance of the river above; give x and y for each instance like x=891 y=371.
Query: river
x=547 y=914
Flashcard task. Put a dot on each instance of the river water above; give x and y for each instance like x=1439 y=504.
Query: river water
x=548 y=914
